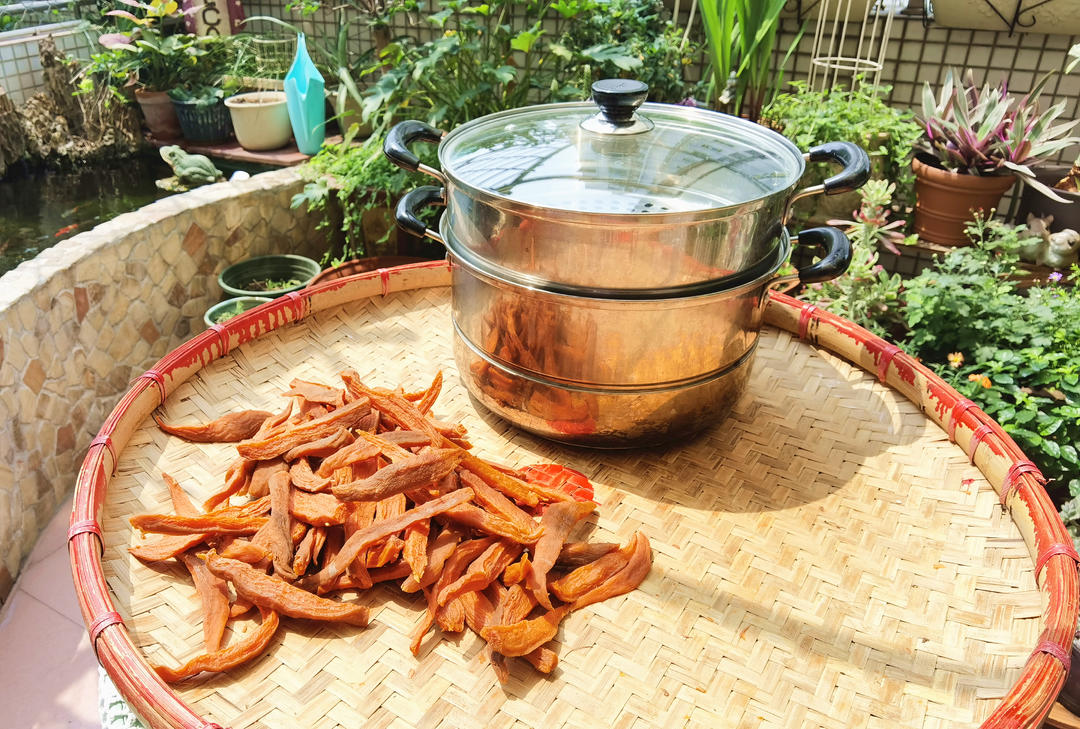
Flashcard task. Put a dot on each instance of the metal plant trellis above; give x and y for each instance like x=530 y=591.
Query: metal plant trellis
x=850 y=38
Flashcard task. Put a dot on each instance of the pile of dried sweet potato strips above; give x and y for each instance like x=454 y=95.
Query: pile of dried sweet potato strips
x=352 y=486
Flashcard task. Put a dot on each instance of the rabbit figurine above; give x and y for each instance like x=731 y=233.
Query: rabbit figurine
x=1061 y=249
x=1040 y=228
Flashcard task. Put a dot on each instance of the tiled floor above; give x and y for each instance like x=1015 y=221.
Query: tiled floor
x=46 y=664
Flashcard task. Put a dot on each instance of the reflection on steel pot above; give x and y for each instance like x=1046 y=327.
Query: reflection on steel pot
x=633 y=196
x=616 y=367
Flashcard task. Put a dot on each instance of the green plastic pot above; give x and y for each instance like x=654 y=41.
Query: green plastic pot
x=240 y=279
x=230 y=305
x=203 y=122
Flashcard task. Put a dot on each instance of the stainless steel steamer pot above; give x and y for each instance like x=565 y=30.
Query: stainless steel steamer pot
x=607 y=370
x=618 y=194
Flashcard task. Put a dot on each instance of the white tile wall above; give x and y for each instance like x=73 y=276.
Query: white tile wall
x=20 y=66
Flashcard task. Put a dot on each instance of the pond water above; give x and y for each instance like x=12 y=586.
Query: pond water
x=40 y=208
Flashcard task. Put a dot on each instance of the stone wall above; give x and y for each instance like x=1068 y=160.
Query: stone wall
x=82 y=319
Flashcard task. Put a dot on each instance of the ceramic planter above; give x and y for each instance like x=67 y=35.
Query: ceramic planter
x=945 y=201
x=245 y=278
x=158 y=113
x=260 y=119
x=1066 y=215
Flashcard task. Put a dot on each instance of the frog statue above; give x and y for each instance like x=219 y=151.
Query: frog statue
x=190 y=170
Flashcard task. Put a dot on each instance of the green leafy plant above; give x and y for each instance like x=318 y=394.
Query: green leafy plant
x=859 y=115
x=640 y=39
x=1016 y=354
x=987 y=131
x=866 y=293
x=348 y=186
x=741 y=37
x=153 y=59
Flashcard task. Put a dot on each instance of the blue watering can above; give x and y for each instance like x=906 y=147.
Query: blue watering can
x=306 y=100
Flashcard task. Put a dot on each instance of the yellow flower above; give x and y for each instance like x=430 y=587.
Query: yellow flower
x=956 y=359
x=981 y=379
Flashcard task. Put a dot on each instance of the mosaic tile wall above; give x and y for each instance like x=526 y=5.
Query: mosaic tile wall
x=82 y=319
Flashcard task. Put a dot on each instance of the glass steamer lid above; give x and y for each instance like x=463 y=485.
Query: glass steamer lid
x=623 y=160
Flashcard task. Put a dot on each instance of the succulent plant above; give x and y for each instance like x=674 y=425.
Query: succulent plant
x=987 y=131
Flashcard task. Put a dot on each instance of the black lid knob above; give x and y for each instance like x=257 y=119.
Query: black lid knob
x=619 y=98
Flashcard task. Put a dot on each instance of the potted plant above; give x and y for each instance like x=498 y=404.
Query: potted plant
x=859 y=115
x=222 y=311
x=977 y=140
x=202 y=113
x=268 y=276
x=153 y=61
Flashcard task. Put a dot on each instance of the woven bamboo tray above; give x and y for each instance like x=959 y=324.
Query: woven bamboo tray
x=834 y=554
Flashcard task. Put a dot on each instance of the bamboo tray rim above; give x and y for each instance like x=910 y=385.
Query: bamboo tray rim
x=1015 y=478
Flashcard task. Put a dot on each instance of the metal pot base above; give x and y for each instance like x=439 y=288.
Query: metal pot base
x=596 y=417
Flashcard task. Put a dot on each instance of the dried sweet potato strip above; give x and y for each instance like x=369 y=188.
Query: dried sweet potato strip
x=478 y=610
x=579 y=554
x=316 y=392
x=252 y=646
x=431 y=394
x=406 y=438
x=400 y=476
x=205 y=524
x=571 y=586
x=321 y=447
x=388 y=572
x=166 y=547
x=171 y=546
x=516 y=572
x=415 y=551
x=392 y=451
x=388 y=550
x=247 y=551
x=214 y=595
x=482 y=571
x=365 y=537
x=494 y=501
x=450 y=617
x=359 y=516
x=308 y=549
x=180 y=501
x=280 y=527
x=317 y=509
x=455 y=564
x=303 y=478
x=543 y=659
x=476 y=518
x=274 y=445
x=359 y=450
x=230 y=428
x=557 y=522
x=398 y=409
x=275 y=422
x=441 y=548
x=237 y=479
x=259 y=485
x=513 y=487
x=525 y=636
x=626 y=579
x=274 y=593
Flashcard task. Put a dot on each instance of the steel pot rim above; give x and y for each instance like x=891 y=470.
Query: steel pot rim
x=447 y=176
x=758 y=276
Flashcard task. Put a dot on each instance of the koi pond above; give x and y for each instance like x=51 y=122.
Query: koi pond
x=40 y=208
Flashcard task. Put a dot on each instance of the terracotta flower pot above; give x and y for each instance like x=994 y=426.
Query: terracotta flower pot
x=158 y=113
x=945 y=201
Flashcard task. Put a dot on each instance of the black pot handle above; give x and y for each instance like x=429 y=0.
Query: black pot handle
x=836 y=260
x=408 y=207
x=401 y=135
x=852 y=157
